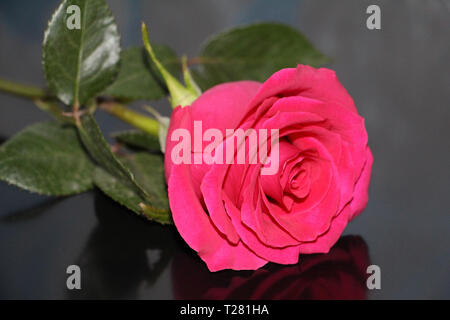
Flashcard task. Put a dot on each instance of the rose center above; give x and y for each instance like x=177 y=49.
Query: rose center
x=299 y=181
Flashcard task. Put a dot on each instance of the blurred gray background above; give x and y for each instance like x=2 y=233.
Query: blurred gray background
x=399 y=77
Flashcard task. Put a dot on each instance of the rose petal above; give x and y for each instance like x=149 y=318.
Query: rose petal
x=319 y=84
x=263 y=225
x=223 y=106
x=327 y=240
x=211 y=188
x=196 y=228
x=271 y=183
x=361 y=192
x=286 y=255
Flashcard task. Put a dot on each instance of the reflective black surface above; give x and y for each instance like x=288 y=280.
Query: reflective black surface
x=399 y=77
x=125 y=257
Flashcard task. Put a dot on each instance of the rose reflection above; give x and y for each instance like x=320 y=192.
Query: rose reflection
x=340 y=274
x=116 y=264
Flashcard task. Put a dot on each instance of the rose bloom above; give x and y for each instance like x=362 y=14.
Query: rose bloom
x=236 y=218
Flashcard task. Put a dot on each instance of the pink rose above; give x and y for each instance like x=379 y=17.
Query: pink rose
x=236 y=218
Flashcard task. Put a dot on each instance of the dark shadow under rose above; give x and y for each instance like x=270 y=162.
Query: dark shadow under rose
x=340 y=274
x=115 y=263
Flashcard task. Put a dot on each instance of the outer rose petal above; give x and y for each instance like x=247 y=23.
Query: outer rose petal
x=228 y=98
x=223 y=106
x=211 y=188
x=324 y=242
x=180 y=119
x=196 y=228
x=361 y=192
x=287 y=255
x=319 y=84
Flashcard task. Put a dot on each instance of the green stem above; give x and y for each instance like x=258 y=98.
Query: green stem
x=53 y=109
x=22 y=90
x=138 y=120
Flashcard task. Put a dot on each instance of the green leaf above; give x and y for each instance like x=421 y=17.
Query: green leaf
x=46 y=158
x=118 y=190
x=137 y=139
x=149 y=170
x=253 y=53
x=139 y=78
x=80 y=63
x=100 y=151
x=126 y=174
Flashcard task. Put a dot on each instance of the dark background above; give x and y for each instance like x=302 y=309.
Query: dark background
x=399 y=77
